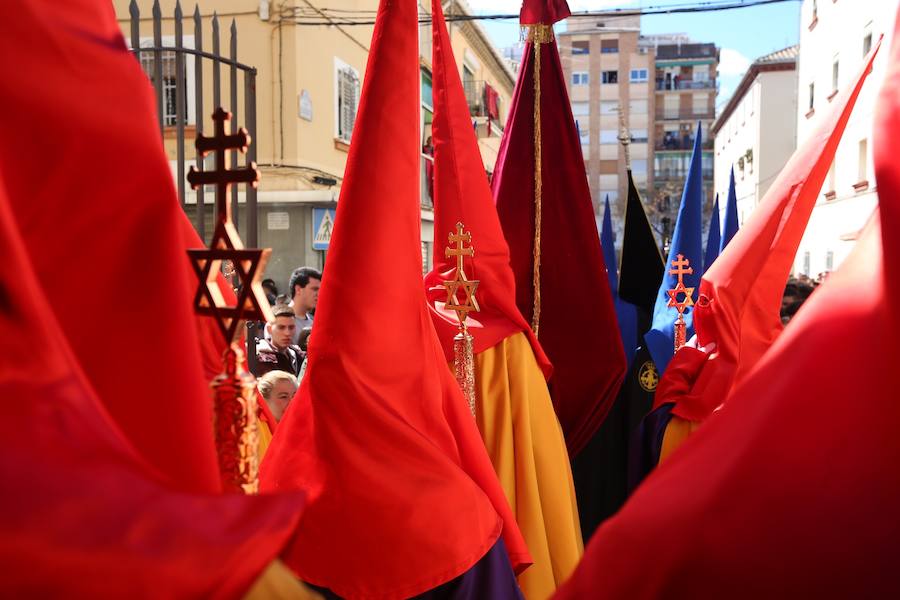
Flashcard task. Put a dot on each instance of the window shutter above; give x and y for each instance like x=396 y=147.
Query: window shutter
x=348 y=89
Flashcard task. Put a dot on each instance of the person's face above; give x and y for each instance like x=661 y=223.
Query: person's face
x=280 y=397
x=282 y=331
x=307 y=297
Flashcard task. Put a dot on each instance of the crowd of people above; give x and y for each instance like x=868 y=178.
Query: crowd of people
x=281 y=352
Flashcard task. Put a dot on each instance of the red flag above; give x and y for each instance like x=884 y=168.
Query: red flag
x=577 y=317
x=547 y=12
x=463 y=195
x=740 y=295
x=93 y=196
x=791 y=489
x=409 y=499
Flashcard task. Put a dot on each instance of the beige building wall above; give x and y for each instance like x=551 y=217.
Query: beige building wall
x=299 y=151
x=589 y=49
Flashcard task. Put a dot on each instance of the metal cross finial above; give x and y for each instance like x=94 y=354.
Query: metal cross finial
x=222 y=145
x=460 y=238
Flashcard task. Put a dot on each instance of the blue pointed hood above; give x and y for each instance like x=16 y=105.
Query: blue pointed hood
x=713 y=238
x=731 y=217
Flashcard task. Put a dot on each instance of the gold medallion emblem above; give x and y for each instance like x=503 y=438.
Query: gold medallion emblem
x=648 y=377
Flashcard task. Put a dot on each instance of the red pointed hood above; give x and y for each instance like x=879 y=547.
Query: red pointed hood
x=409 y=498
x=578 y=327
x=462 y=194
x=739 y=303
x=102 y=227
x=791 y=488
x=86 y=264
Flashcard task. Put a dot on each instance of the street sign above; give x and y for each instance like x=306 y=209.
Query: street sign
x=322 y=226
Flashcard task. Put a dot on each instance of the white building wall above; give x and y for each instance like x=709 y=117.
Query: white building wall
x=838 y=33
x=764 y=122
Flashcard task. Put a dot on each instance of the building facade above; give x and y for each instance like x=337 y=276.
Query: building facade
x=756 y=131
x=309 y=78
x=609 y=74
x=685 y=90
x=835 y=36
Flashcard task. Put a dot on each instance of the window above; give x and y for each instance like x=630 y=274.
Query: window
x=427 y=93
x=639 y=136
x=806 y=263
x=610 y=77
x=670 y=106
x=581 y=109
x=639 y=170
x=609 y=107
x=812 y=95
x=638 y=75
x=835 y=70
x=609 y=136
x=863 y=156
x=581 y=47
x=610 y=194
x=169 y=84
x=346 y=93
x=426 y=257
x=609 y=46
x=701 y=102
x=580 y=78
x=829 y=260
x=867 y=43
x=609 y=182
x=637 y=107
x=701 y=73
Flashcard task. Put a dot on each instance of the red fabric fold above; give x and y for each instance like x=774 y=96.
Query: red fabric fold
x=107 y=244
x=740 y=295
x=463 y=195
x=408 y=498
x=578 y=328
x=686 y=366
x=96 y=331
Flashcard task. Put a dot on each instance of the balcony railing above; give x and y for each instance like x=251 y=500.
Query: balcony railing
x=683 y=84
x=671 y=142
x=663 y=174
x=476 y=98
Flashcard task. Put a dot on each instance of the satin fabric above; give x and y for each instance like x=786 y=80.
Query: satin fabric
x=525 y=443
x=403 y=495
x=578 y=320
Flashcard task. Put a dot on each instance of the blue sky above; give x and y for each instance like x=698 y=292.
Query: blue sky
x=742 y=34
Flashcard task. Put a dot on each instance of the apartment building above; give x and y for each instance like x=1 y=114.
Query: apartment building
x=685 y=90
x=756 y=131
x=307 y=85
x=835 y=36
x=609 y=74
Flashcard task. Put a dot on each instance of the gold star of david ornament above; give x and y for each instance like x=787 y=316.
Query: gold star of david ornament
x=682 y=268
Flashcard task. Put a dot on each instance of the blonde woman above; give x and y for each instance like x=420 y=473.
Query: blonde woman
x=277 y=388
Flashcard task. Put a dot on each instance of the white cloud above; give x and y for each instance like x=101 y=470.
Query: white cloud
x=732 y=62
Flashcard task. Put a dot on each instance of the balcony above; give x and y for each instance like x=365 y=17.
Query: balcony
x=683 y=84
x=679 y=174
x=673 y=142
x=478 y=98
x=684 y=115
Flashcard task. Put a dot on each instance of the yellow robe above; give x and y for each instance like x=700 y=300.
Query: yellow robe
x=677 y=432
x=265 y=438
x=526 y=445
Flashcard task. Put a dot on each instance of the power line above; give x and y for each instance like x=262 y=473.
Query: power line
x=347 y=17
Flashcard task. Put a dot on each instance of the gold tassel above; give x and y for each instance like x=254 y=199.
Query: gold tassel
x=680 y=332
x=235 y=424
x=538 y=34
x=464 y=365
